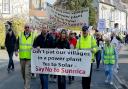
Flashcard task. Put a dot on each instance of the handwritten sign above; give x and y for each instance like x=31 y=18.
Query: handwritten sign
x=67 y=17
x=101 y=24
x=70 y=62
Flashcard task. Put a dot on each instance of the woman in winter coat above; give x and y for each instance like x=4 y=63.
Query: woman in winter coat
x=62 y=43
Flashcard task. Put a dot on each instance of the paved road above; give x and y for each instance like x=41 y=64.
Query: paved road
x=123 y=71
x=14 y=79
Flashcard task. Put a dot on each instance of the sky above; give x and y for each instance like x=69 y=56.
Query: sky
x=50 y=1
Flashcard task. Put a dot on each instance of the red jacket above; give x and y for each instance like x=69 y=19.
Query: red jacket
x=73 y=41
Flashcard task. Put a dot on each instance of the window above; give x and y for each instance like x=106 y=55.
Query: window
x=5 y=6
x=0 y=6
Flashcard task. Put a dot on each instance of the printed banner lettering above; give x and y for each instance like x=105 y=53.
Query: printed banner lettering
x=70 y=62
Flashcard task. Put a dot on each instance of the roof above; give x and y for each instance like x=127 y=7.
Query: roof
x=115 y=3
x=108 y=2
x=33 y=11
x=119 y=5
x=125 y=1
x=38 y=13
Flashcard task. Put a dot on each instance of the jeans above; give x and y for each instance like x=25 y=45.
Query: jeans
x=98 y=58
x=11 y=63
x=61 y=82
x=109 y=72
x=44 y=81
x=102 y=56
x=71 y=78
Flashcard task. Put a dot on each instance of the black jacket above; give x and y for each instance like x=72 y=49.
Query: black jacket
x=63 y=44
x=10 y=42
x=44 y=42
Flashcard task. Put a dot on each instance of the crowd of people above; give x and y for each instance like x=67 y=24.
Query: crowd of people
x=103 y=49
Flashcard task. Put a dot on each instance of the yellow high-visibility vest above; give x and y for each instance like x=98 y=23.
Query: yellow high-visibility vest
x=25 y=46
x=109 y=55
x=87 y=43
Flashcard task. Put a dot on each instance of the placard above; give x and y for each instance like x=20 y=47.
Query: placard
x=70 y=62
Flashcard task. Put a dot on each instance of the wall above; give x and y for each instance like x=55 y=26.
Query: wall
x=18 y=8
x=120 y=17
x=106 y=12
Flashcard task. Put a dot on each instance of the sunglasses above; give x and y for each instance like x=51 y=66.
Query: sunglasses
x=63 y=33
x=26 y=27
x=44 y=27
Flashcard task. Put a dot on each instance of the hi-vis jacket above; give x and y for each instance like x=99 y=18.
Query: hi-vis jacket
x=25 y=45
x=109 y=54
x=88 y=42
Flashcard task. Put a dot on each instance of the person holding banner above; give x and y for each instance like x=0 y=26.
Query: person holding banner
x=44 y=40
x=53 y=33
x=24 y=44
x=62 y=43
x=86 y=41
x=72 y=42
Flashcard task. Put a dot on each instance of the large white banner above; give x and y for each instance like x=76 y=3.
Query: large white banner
x=67 y=17
x=70 y=62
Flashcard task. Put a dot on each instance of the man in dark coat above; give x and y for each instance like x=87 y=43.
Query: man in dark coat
x=10 y=41
x=44 y=40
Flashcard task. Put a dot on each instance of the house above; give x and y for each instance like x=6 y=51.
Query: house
x=112 y=11
x=14 y=8
x=36 y=8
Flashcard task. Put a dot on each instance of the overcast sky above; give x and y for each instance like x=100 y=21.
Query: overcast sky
x=50 y=1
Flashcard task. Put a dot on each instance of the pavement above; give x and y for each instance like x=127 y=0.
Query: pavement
x=122 y=75
x=14 y=80
x=4 y=59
